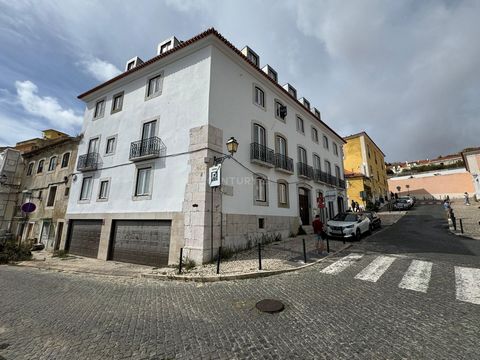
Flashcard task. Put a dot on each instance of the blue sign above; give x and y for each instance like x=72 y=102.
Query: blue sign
x=28 y=207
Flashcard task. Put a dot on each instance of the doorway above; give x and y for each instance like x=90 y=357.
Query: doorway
x=58 y=236
x=304 y=205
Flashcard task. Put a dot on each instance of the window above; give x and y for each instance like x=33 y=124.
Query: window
x=261 y=223
x=325 y=142
x=335 y=149
x=165 y=47
x=252 y=57
x=40 y=193
x=259 y=97
x=86 y=189
x=259 y=136
x=302 y=155
x=103 y=191
x=99 y=109
x=52 y=164
x=154 y=86
x=316 y=162
x=117 y=103
x=93 y=145
x=30 y=169
x=328 y=168
x=67 y=191
x=282 y=193
x=261 y=190
x=314 y=135
x=65 y=159
x=142 y=186
x=130 y=65
x=337 y=172
x=317 y=113
x=281 y=145
x=51 y=196
x=40 y=166
x=110 y=149
x=300 y=126
x=280 y=110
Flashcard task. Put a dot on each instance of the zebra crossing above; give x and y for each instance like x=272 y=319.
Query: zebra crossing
x=416 y=278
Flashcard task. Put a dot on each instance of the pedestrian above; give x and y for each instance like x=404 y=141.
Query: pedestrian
x=446 y=207
x=467 y=201
x=357 y=206
x=353 y=206
x=318 y=230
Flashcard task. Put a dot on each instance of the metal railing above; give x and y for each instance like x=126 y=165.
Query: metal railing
x=87 y=162
x=146 y=148
x=305 y=170
x=283 y=162
x=262 y=153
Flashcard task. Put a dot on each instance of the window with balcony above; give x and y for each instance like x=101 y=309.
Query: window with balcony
x=316 y=162
x=258 y=149
x=302 y=166
x=99 y=109
x=282 y=161
x=300 y=125
x=259 y=96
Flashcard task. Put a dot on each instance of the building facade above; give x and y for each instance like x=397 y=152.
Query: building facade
x=11 y=167
x=46 y=182
x=365 y=163
x=471 y=159
x=151 y=134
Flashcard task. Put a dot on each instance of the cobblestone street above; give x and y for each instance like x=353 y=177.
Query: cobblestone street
x=328 y=313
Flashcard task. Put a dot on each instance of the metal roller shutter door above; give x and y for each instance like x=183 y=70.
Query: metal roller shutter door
x=85 y=237
x=145 y=242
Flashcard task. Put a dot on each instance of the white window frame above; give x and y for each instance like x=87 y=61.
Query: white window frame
x=114 y=138
x=314 y=134
x=50 y=163
x=115 y=96
x=276 y=104
x=317 y=162
x=31 y=169
x=302 y=150
x=68 y=162
x=50 y=194
x=299 y=121
x=158 y=91
x=261 y=182
x=283 y=184
x=102 y=181
x=259 y=100
x=335 y=149
x=146 y=194
x=99 y=113
x=325 y=142
x=86 y=192
x=41 y=161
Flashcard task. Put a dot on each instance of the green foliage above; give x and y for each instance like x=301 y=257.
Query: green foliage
x=10 y=251
x=187 y=264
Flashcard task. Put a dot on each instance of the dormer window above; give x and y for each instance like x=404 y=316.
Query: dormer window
x=272 y=74
x=251 y=55
x=305 y=103
x=130 y=65
x=165 y=47
x=317 y=113
x=291 y=90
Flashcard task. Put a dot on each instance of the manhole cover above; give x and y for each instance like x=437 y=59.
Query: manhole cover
x=270 y=306
x=4 y=346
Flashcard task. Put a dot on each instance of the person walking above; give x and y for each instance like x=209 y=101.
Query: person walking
x=318 y=230
x=446 y=207
x=467 y=201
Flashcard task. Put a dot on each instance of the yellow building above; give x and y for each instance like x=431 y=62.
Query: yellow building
x=365 y=170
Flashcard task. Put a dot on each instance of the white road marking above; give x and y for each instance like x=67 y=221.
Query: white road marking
x=342 y=264
x=417 y=276
x=467 y=281
x=376 y=269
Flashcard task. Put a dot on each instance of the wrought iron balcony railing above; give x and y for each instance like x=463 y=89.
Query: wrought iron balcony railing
x=304 y=170
x=147 y=148
x=87 y=162
x=262 y=154
x=283 y=162
x=341 y=183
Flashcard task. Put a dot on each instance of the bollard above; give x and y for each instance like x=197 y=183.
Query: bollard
x=304 y=252
x=181 y=261
x=259 y=256
x=218 y=259
x=454 y=222
x=461 y=226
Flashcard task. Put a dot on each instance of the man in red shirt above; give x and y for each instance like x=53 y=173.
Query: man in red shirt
x=318 y=230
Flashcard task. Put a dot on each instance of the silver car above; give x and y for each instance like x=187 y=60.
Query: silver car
x=348 y=225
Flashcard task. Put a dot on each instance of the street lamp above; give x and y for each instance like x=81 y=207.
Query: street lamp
x=232 y=146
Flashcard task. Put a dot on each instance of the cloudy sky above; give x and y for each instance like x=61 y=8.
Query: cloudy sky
x=407 y=72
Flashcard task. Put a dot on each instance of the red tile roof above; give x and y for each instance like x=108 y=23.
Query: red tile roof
x=191 y=41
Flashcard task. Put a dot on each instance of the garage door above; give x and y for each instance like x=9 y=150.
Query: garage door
x=141 y=242
x=85 y=237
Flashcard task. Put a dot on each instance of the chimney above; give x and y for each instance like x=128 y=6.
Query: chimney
x=251 y=55
x=272 y=74
x=291 y=90
x=167 y=45
x=133 y=63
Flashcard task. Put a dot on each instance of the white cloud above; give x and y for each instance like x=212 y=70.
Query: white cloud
x=46 y=107
x=99 y=69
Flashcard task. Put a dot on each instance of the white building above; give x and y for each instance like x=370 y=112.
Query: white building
x=11 y=167
x=151 y=134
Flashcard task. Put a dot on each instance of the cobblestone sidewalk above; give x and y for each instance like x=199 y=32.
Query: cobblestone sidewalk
x=470 y=216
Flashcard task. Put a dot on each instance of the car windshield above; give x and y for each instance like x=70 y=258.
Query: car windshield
x=345 y=217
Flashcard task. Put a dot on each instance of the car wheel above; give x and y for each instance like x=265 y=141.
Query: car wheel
x=358 y=235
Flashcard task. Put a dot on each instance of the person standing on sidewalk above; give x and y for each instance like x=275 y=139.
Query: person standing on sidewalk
x=318 y=230
x=467 y=201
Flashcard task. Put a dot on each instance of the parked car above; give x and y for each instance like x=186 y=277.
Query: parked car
x=402 y=204
x=375 y=221
x=348 y=225
x=409 y=200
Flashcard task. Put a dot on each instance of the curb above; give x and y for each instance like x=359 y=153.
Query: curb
x=32 y=266
x=251 y=275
